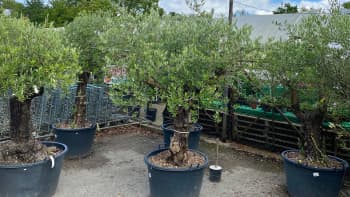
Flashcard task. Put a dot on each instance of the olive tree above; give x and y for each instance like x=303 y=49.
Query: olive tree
x=180 y=60
x=314 y=65
x=31 y=58
x=84 y=34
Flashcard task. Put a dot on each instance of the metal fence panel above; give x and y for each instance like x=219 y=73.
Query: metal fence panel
x=56 y=106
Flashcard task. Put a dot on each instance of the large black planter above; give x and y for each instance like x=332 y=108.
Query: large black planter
x=32 y=180
x=79 y=141
x=308 y=181
x=193 y=137
x=175 y=182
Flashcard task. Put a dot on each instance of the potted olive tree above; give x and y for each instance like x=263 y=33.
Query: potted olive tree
x=84 y=34
x=314 y=66
x=182 y=61
x=31 y=58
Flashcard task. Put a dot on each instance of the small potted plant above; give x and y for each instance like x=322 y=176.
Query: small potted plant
x=316 y=56
x=31 y=58
x=215 y=170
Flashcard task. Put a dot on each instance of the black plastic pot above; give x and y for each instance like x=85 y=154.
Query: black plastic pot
x=266 y=108
x=32 y=180
x=79 y=141
x=313 y=182
x=175 y=182
x=193 y=138
x=215 y=173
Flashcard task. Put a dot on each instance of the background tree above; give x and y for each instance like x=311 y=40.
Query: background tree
x=182 y=61
x=62 y=12
x=15 y=7
x=310 y=10
x=139 y=6
x=286 y=8
x=346 y=5
x=36 y=11
x=96 y=5
x=314 y=65
x=84 y=34
x=31 y=58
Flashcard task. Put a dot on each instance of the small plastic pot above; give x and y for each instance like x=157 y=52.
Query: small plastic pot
x=215 y=172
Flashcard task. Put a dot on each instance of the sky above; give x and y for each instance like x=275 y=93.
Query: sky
x=257 y=7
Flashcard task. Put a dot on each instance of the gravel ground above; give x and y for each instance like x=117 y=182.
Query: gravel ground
x=116 y=169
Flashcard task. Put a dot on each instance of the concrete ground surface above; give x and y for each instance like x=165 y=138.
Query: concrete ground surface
x=116 y=169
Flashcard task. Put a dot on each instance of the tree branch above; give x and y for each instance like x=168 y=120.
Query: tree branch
x=153 y=83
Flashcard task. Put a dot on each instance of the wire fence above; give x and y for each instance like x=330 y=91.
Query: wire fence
x=56 y=106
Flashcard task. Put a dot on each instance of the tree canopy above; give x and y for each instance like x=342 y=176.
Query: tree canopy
x=181 y=60
x=286 y=8
x=316 y=54
x=346 y=5
x=36 y=11
x=33 y=56
x=15 y=7
x=138 y=6
x=313 y=65
x=61 y=12
x=83 y=33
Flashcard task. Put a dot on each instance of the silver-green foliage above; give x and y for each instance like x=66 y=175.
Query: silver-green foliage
x=315 y=61
x=33 y=56
x=181 y=60
x=84 y=34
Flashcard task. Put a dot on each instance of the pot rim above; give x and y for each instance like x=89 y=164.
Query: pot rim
x=149 y=164
x=93 y=126
x=215 y=167
x=16 y=166
x=286 y=159
x=197 y=127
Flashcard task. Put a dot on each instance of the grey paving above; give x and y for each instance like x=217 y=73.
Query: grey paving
x=116 y=169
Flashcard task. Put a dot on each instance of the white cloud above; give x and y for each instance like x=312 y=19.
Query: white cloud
x=178 y=6
x=323 y=4
x=263 y=12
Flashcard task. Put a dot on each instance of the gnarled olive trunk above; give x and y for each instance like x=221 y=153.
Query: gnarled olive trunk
x=21 y=125
x=311 y=121
x=178 y=145
x=22 y=148
x=312 y=127
x=80 y=114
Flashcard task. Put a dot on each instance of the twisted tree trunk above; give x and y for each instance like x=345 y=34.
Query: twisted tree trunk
x=21 y=125
x=80 y=109
x=22 y=148
x=312 y=126
x=178 y=144
x=311 y=122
